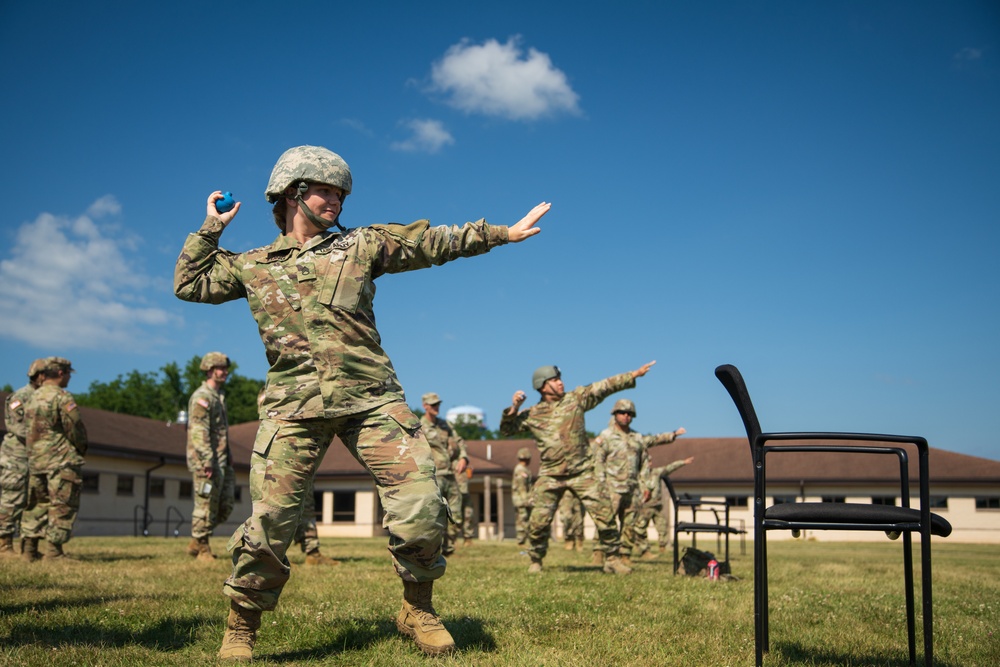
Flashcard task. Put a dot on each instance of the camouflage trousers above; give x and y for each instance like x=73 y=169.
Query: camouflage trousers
x=53 y=503
x=452 y=497
x=547 y=492
x=389 y=443
x=463 y=525
x=522 y=515
x=214 y=507
x=571 y=513
x=625 y=509
x=13 y=492
x=640 y=529
x=307 y=534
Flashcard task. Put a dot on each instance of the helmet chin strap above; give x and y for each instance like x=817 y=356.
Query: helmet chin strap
x=313 y=218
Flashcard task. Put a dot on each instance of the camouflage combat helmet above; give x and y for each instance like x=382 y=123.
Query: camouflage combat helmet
x=524 y=454
x=313 y=164
x=542 y=374
x=58 y=364
x=214 y=359
x=37 y=366
x=624 y=405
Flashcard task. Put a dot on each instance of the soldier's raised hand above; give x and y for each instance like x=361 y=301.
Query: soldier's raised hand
x=226 y=217
x=642 y=370
x=525 y=227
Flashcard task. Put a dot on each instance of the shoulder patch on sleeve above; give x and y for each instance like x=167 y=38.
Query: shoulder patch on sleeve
x=203 y=403
x=71 y=406
x=15 y=404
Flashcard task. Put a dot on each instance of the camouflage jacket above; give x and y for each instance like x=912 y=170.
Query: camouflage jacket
x=14 y=441
x=208 y=430
x=56 y=437
x=559 y=428
x=313 y=305
x=650 y=480
x=446 y=446
x=619 y=456
x=520 y=485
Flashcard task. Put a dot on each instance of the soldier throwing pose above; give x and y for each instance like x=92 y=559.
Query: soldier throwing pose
x=311 y=292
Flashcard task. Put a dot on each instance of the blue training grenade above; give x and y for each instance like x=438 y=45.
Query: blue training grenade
x=225 y=204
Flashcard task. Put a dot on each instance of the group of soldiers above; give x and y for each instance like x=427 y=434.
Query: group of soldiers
x=40 y=463
x=611 y=478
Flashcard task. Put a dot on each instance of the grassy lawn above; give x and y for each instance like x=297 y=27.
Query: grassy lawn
x=141 y=601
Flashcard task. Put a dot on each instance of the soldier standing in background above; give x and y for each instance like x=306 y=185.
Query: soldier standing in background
x=14 y=459
x=520 y=491
x=307 y=534
x=571 y=513
x=57 y=442
x=567 y=462
x=651 y=509
x=463 y=526
x=311 y=292
x=208 y=456
x=619 y=454
x=450 y=460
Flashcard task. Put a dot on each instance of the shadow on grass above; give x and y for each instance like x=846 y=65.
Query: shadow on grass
x=164 y=635
x=59 y=603
x=799 y=654
x=362 y=634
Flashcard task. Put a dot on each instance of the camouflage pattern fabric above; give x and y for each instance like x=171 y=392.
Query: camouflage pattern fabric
x=547 y=493
x=447 y=448
x=389 y=443
x=571 y=513
x=208 y=448
x=14 y=461
x=559 y=429
x=652 y=510
x=53 y=504
x=307 y=533
x=465 y=527
x=520 y=491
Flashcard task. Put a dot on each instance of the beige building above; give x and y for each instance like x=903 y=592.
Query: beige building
x=136 y=482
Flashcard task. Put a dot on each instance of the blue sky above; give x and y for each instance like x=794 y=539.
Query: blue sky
x=810 y=191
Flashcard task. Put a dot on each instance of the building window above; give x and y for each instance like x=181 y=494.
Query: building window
x=779 y=500
x=988 y=502
x=157 y=487
x=91 y=483
x=884 y=500
x=738 y=501
x=185 y=490
x=939 y=502
x=493 y=506
x=126 y=485
x=318 y=506
x=833 y=499
x=238 y=494
x=343 y=506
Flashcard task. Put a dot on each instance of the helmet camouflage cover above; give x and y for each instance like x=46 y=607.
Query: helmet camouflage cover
x=524 y=454
x=624 y=405
x=314 y=164
x=57 y=364
x=213 y=360
x=542 y=374
x=37 y=366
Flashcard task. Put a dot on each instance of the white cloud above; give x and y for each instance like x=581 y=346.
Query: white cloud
x=968 y=54
x=428 y=136
x=70 y=283
x=501 y=80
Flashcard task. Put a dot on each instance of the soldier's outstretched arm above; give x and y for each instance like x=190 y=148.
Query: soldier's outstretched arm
x=642 y=370
x=525 y=227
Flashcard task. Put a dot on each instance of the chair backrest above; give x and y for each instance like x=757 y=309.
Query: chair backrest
x=731 y=379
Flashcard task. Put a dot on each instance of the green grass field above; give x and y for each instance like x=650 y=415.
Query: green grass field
x=141 y=601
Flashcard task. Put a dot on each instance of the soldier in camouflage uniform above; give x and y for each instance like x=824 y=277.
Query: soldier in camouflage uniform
x=208 y=457
x=567 y=463
x=651 y=509
x=450 y=459
x=57 y=443
x=14 y=459
x=571 y=513
x=520 y=490
x=311 y=292
x=463 y=526
x=307 y=534
x=619 y=455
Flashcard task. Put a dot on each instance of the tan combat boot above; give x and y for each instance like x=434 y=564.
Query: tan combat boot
x=536 y=566
x=649 y=555
x=316 y=558
x=192 y=547
x=29 y=549
x=417 y=619
x=579 y=544
x=467 y=542
x=570 y=543
x=627 y=559
x=7 y=545
x=615 y=565
x=598 y=557
x=52 y=551
x=205 y=550
x=241 y=634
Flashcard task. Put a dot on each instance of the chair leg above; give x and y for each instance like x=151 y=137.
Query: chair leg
x=758 y=587
x=928 y=610
x=765 y=623
x=911 y=622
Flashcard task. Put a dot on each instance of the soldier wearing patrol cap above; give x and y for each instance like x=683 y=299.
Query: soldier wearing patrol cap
x=311 y=292
x=14 y=458
x=620 y=454
x=208 y=457
x=450 y=459
x=520 y=491
x=57 y=442
x=567 y=462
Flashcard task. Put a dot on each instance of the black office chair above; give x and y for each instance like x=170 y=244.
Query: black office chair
x=720 y=527
x=893 y=520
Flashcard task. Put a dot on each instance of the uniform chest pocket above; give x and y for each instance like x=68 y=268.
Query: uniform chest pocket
x=343 y=280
